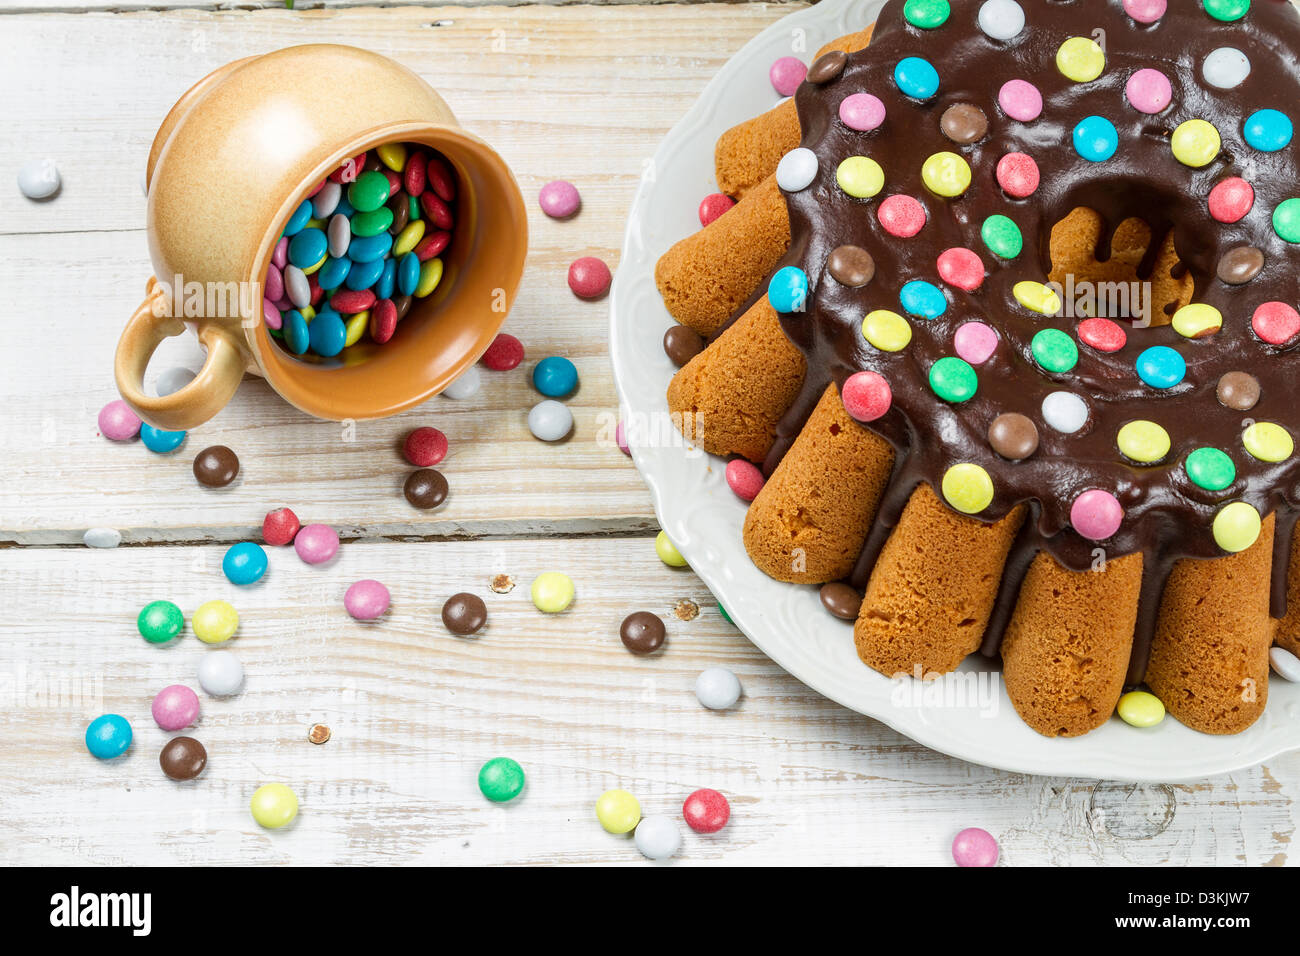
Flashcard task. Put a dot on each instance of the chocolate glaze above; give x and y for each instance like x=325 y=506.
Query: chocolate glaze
x=1166 y=516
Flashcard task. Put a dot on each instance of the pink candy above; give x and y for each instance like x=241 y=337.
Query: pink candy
x=1096 y=514
x=744 y=478
x=1018 y=174
x=1102 y=334
x=714 y=205
x=367 y=600
x=274 y=283
x=620 y=438
x=559 y=199
x=866 y=396
x=1020 y=100
x=1146 y=11
x=589 y=278
x=1231 y=199
x=316 y=543
x=1276 y=323
x=271 y=315
x=862 y=111
x=1149 y=91
x=786 y=74
x=117 y=422
x=280 y=257
x=901 y=216
x=961 y=268
x=175 y=707
x=975 y=847
x=975 y=342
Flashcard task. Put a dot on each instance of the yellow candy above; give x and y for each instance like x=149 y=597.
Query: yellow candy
x=552 y=592
x=312 y=269
x=1081 y=59
x=861 y=177
x=1143 y=441
x=1037 y=297
x=1236 y=527
x=1268 y=442
x=1195 y=143
x=668 y=552
x=308 y=313
x=1137 y=708
x=215 y=622
x=430 y=276
x=392 y=155
x=618 y=811
x=1197 y=320
x=946 y=174
x=968 y=488
x=356 y=326
x=315 y=223
x=274 y=805
x=408 y=237
x=887 y=331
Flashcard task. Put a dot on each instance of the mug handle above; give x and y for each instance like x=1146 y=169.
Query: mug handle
x=198 y=401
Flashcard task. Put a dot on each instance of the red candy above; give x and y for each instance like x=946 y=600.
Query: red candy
x=279 y=527
x=714 y=205
x=317 y=293
x=902 y=216
x=350 y=302
x=413 y=177
x=706 y=811
x=1018 y=174
x=383 y=320
x=430 y=246
x=1231 y=199
x=589 y=278
x=505 y=353
x=394 y=181
x=961 y=268
x=744 y=478
x=439 y=212
x=350 y=170
x=440 y=180
x=425 y=447
x=319 y=186
x=1102 y=334
x=1276 y=323
x=866 y=396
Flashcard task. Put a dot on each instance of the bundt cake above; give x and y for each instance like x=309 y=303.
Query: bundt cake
x=1005 y=311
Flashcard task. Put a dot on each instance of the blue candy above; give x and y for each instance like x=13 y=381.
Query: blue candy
x=387 y=280
x=333 y=272
x=1161 y=367
x=298 y=220
x=344 y=206
x=369 y=248
x=365 y=274
x=1095 y=139
x=788 y=290
x=108 y=736
x=327 y=334
x=244 y=563
x=157 y=440
x=307 y=248
x=555 y=377
x=1268 y=130
x=295 y=332
x=922 y=299
x=408 y=273
x=916 y=77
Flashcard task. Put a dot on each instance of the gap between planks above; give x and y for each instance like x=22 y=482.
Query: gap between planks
x=201 y=6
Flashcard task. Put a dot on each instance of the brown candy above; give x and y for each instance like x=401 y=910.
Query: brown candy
x=216 y=466
x=1238 y=391
x=1238 y=266
x=401 y=209
x=827 y=67
x=464 y=613
x=682 y=344
x=841 y=600
x=183 y=758
x=318 y=734
x=642 y=632
x=1013 y=436
x=851 y=266
x=425 y=488
x=403 y=303
x=964 y=123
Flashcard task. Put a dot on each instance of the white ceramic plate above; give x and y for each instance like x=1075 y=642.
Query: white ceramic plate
x=974 y=719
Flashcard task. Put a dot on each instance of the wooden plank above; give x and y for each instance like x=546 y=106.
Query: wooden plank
x=415 y=711
x=305 y=6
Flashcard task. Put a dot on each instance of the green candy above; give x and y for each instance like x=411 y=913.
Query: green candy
x=369 y=192
x=501 y=779
x=953 y=380
x=160 y=621
x=1054 y=350
x=1286 y=220
x=1002 y=236
x=415 y=208
x=926 y=14
x=725 y=616
x=1227 y=10
x=1210 y=468
x=372 y=223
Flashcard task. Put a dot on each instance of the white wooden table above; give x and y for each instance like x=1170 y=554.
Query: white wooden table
x=576 y=92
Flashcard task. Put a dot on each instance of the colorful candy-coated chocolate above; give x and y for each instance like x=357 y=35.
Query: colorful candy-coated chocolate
x=786 y=74
x=1143 y=441
x=1096 y=514
x=706 y=811
x=117 y=422
x=974 y=847
x=927 y=14
x=466 y=385
x=552 y=592
x=946 y=174
x=1231 y=199
x=1236 y=527
x=922 y=299
x=1225 y=68
x=1276 y=323
x=160 y=621
x=1065 y=412
x=1002 y=236
x=1017 y=174
x=175 y=707
x=279 y=527
x=860 y=177
x=274 y=805
x=1020 y=100
x=1195 y=143
x=220 y=674
x=1104 y=335
x=866 y=396
x=1138 y=708
x=1286 y=220
x=717 y=688
x=1268 y=130
x=327 y=334
x=550 y=420
x=101 y=538
x=244 y=563
x=108 y=736
x=744 y=478
x=862 y=112
x=1054 y=351
x=367 y=600
x=953 y=379
x=1149 y=91
x=787 y=290
x=1096 y=139
x=183 y=758
x=215 y=622
x=1161 y=367
x=657 y=838
x=555 y=376
x=968 y=488
x=886 y=330
x=901 y=216
x=1001 y=19
x=961 y=268
x=916 y=77
x=714 y=205
x=1268 y=441
x=1284 y=664
x=618 y=811
x=425 y=446
x=668 y=552
x=39 y=179
x=796 y=169
x=1146 y=11
x=430 y=277
x=505 y=353
x=1197 y=320
x=501 y=779
x=316 y=543
x=1081 y=59
x=975 y=342
x=589 y=277
x=1210 y=468
x=559 y=199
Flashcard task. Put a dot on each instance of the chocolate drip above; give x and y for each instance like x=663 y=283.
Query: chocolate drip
x=1155 y=575
x=1024 y=549
x=1283 y=531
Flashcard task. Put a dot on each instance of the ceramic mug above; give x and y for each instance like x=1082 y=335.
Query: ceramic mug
x=235 y=156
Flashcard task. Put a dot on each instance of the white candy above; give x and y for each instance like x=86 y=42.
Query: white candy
x=550 y=420
x=39 y=179
x=657 y=838
x=172 y=380
x=327 y=200
x=1225 y=68
x=1285 y=664
x=296 y=287
x=1065 y=411
x=717 y=688
x=220 y=673
x=796 y=169
x=1001 y=19
x=102 y=538
x=466 y=384
x=339 y=235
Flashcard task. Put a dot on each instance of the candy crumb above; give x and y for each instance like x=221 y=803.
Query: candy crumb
x=686 y=610
x=318 y=734
x=502 y=583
